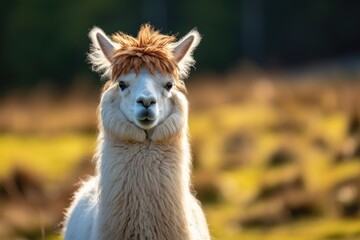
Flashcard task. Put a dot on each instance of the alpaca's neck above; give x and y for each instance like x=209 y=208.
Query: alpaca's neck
x=143 y=190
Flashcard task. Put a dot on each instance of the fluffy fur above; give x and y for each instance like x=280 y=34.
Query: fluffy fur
x=142 y=185
x=150 y=48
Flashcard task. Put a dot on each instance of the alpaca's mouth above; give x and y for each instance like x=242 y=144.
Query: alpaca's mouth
x=146 y=118
x=145 y=123
x=146 y=115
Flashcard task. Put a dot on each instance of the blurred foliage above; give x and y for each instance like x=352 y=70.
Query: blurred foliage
x=50 y=157
x=275 y=157
x=272 y=159
x=46 y=41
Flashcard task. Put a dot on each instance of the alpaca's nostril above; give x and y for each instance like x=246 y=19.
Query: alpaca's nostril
x=146 y=102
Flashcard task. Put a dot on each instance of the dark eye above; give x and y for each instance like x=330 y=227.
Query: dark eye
x=168 y=86
x=122 y=85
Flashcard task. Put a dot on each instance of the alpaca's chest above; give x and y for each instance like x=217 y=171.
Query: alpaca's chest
x=142 y=188
x=139 y=159
x=131 y=168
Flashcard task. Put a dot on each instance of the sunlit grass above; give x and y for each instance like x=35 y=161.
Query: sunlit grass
x=223 y=225
x=50 y=157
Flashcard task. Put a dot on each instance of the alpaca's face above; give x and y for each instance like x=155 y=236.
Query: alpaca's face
x=144 y=99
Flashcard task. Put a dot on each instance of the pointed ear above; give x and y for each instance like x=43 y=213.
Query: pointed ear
x=183 y=51
x=101 y=51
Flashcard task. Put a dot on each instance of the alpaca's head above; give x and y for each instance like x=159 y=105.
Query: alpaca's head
x=144 y=72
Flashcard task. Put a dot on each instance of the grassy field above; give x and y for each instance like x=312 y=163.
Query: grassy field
x=272 y=159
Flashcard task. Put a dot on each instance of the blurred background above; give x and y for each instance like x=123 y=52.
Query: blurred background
x=274 y=111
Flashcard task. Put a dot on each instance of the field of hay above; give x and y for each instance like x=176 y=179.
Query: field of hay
x=273 y=158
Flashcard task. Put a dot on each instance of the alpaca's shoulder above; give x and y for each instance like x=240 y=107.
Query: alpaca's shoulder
x=88 y=188
x=86 y=196
x=198 y=225
x=81 y=214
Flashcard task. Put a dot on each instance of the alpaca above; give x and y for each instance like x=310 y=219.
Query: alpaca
x=141 y=189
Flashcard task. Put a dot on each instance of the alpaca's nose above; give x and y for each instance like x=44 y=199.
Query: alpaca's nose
x=146 y=101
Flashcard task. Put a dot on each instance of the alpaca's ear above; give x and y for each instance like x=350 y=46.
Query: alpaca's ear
x=101 y=51
x=183 y=51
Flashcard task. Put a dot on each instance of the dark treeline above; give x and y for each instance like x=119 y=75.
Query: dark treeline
x=46 y=40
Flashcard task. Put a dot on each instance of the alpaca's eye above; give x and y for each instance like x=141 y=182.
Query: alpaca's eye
x=168 y=86
x=122 y=85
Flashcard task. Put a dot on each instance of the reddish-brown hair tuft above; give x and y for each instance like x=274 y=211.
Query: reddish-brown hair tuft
x=150 y=49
